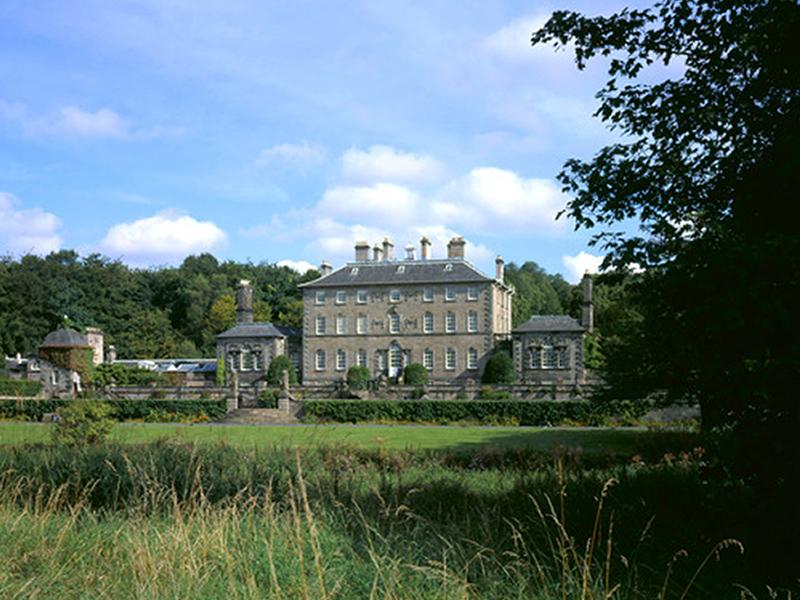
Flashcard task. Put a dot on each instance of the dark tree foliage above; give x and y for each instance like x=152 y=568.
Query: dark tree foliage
x=709 y=165
x=277 y=366
x=144 y=313
x=499 y=369
x=415 y=374
x=536 y=292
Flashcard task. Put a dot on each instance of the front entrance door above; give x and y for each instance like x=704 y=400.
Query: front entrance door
x=396 y=355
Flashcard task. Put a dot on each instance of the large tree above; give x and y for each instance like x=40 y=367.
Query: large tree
x=707 y=163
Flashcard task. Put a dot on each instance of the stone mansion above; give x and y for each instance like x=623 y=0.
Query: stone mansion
x=383 y=313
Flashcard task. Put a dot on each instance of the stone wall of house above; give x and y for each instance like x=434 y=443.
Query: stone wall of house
x=531 y=372
x=411 y=339
x=231 y=350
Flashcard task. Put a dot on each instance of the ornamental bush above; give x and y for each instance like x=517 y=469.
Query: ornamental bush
x=83 y=422
x=357 y=378
x=415 y=374
x=499 y=369
x=122 y=410
x=532 y=413
x=278 y=365
x=19 y=387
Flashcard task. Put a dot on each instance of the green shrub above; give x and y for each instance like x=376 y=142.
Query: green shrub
x=489 y=393
x=278 y=365
x=116 y=374
x=123 y=410
x=268 y=398
x=220 y=374
x=83 y=422
x=532 y=413
x=357 y=378
x=499 y=369
x=415 y=374
x=19 y=387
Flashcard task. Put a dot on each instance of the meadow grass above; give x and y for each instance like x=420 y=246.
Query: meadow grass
x=399 y=437
x=176 y=520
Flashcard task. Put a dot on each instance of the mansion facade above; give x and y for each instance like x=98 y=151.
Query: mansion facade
x=383 y=313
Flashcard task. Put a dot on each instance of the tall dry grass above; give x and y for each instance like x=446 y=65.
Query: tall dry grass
x=172 y=521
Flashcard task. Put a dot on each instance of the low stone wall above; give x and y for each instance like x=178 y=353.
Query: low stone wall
x=440 y=391
x=183 y=392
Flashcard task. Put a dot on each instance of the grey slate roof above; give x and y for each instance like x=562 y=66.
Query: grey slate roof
x=550 y=323
x=386 y=272
x=64 y=338
x=250 y=330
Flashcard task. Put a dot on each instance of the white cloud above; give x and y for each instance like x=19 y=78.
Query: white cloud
x=71 y=121
x=295 y=155
x=386 y=164
x=513 y=43
x=24 y=230
x=496 y=200
x=378 y=203
x=163 y=238
x=301 y=266
x=581 y=263
x=104 y=122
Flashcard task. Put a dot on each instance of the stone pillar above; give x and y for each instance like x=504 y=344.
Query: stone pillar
x=244 y=302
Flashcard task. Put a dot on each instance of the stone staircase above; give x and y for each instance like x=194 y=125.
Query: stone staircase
x=258 y=416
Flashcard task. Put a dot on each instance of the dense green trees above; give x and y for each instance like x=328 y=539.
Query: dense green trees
x=144 y=312
x=708 y=163
x=178 y=311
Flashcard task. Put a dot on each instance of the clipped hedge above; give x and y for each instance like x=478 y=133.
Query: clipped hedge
x=535 y=413
x=122 y=410
x=19 y=387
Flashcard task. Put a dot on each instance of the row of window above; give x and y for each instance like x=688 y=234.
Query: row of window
x=547 y=357
x=361 y=296
x=393 y=323
x=246 y=360
x=396 y=358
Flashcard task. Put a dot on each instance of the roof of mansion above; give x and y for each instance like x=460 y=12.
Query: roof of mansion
x=398 y=272
x=550 y=323
x=253 y=330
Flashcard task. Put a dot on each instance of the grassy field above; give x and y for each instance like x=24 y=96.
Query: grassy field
x=341 y=512
x=623 y=441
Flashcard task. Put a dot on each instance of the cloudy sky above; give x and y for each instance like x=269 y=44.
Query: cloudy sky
x=284 y=131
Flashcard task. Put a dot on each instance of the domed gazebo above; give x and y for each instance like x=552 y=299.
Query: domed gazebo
x=68 y=349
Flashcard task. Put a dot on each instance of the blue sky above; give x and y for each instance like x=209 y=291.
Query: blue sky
x=285 y=131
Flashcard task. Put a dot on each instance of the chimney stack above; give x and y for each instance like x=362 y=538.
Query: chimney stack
x=587 y=312
x=94 y=338
x=362 y=251
x=424 y=248
x=244 y=302
x=410 y=252
x=455 y=247
x=387 y=249
x=377 y=253
x=499 y=268
x=325 y=268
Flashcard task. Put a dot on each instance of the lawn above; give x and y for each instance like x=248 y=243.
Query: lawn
x=622 y=441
